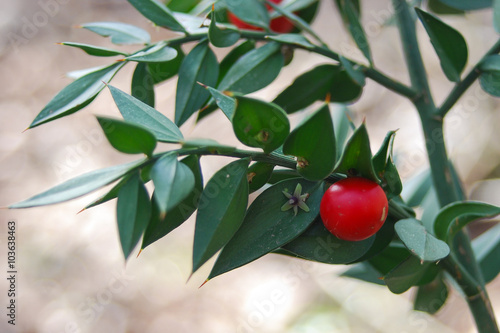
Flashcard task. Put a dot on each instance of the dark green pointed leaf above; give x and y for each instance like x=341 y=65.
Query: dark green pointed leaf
x=183 y=6
x=76 y=95
x=156 y=53
x=127 y=137
x=209 y=144
x=258 y=174
x=266 y=227
x=79 y=186
x=383 y=238
x=221 y=210
x=95 y=50
x=406 y=275
x=249 y=11
x=226 y=103
x=354 y=71
x=112 y=194
x=253 y=71
x=449 y=44
x=222 y=36
x=393 y=255
x=159 y=225
x=139 y=113
x=342 y=127
x=161 y=71
x=487 y=251
x=200 y=65
x=234 y=55
x=133 y=211
x=468 y=4
x=356 y=158
x=380 y=158
x=391 y=182
x=313 y=144
x=453 y=217
x=143 y=85
x=419 y=241
x=318 y=244
x=120 y=33
x=490 y=75
x=496 y=15
x=157 y=13
x=432 y=296
x=293 y=39
x=260 y=124
x=365 y=272
x=173 y=181
x=315 y=85
x=351 y=15
x=438 y=7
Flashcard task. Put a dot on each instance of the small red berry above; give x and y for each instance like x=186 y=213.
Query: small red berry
x=354 y=209
x=280 y=24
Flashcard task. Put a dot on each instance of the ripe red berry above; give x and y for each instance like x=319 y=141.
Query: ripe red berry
x=354 y=209
x=280 y=24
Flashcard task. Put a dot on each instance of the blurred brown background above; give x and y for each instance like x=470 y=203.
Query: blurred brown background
x=72 y=276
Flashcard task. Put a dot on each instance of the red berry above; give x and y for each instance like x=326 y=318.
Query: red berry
x=354 y=209
x=280 y=24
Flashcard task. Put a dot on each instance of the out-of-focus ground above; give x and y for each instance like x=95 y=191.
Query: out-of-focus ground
x=72 y=276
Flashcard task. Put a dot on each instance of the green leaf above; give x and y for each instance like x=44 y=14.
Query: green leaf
x=260 y=124
x=183 y=6
x=282 y=174
x=315 y=85
x=487 y=251
x=222 y=36
x=380 y=158
x=127 y=137
x=120 y=33
x=406 y=275
x=383 y=238
x=159 y=225
x=468 y=4
x=419 y=241
x=200 y=65
x=258 y=174
x=364 y=272
x=79 y=186
x=391 y=182
x=139 y=113
x=253 y=71
x=161 y=71
x=226 y=103
x=318 y=244
x=351 y=13
x=221 y=211
x=266 y=227
x=209 y=144
x=449 y=44
x=293 y=39
x=112 y=194
x=432 y=296
x=95 y=50
x=233 y=56
x=76 y=95
x=438 y=7
x=157 y=13
x=173 y=182
x=249 y=11
x=356 y=159
x=143 y=85
x=313 y=143
x=393 y=255
x=133 y=211
x=490 y=75
x=156 y=53
x=342 y=127
x=453 y=217
x=354 y=71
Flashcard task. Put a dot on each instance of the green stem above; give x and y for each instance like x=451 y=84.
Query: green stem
x=466 y=271
x=465 y=84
